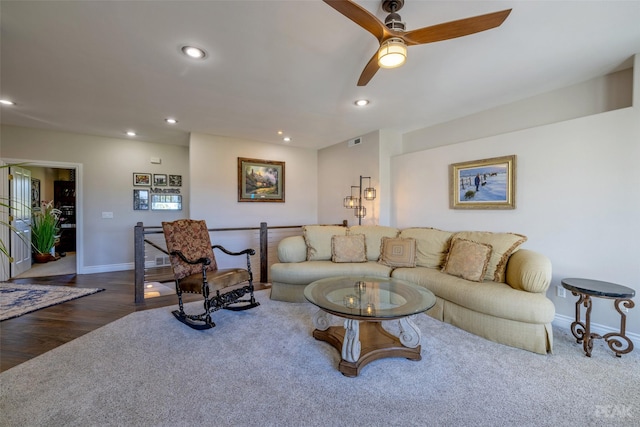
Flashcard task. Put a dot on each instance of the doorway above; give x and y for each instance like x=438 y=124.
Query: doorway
x=59 y=183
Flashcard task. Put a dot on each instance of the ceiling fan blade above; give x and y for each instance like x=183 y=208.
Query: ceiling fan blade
x=453 y=29
x=362 y=17
x=369 y=71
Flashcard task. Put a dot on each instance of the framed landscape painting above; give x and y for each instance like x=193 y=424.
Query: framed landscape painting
x=260 y=180
x=483 y=184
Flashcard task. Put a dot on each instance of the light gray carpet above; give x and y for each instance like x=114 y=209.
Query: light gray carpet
x=263 y=367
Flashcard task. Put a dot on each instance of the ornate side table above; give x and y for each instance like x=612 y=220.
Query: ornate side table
x=587 y=288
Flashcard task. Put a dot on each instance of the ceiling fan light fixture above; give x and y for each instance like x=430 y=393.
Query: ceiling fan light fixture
x=392 y=53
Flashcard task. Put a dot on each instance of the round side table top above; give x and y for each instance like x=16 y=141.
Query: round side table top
x=598 y=288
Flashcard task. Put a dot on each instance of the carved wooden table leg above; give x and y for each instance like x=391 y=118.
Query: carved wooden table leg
x=585 y=289
x=351 y=344
x=612 y=337
x=409 y=333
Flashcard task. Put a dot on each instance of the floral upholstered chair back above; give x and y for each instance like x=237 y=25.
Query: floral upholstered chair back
x=190 y=237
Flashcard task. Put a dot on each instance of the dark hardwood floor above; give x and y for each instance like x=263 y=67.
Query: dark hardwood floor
x=32 y=334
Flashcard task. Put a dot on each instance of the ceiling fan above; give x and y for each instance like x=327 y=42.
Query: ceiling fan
x=393 y=38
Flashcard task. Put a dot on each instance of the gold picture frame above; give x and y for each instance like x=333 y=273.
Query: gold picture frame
x=260 y=180
x=483 y=184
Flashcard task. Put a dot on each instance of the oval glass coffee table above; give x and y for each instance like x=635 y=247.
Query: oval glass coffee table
x=368 y=300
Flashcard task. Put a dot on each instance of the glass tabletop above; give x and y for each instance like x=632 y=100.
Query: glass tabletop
x=369 y=297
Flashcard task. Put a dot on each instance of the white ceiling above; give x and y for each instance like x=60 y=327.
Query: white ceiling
x=103 y=67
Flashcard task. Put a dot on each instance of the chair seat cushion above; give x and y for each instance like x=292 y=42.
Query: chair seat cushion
x=218 y=280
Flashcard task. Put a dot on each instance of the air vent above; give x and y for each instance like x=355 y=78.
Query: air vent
x=355 y=141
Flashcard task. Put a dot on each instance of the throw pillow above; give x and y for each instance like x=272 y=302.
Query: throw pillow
x=348 y=248
x=398 y=252
x=468 y=259
x=373 y=235
x=503 y=245
x=432 y=245
x=318 y=240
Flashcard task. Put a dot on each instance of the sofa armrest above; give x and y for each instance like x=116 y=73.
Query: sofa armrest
x=292 y=249
x=529 y=271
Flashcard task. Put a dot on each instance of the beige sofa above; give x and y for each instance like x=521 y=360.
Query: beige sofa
x=483 y=282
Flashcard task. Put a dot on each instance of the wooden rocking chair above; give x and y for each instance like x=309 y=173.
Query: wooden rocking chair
x=195 y=271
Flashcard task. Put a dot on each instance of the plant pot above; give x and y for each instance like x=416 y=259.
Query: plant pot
x=42 y=258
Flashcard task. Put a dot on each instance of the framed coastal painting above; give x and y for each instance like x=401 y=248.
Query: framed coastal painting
x=260 y=180
x=483 y=184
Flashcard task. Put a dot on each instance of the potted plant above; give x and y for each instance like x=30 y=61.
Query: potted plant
x=45 y=231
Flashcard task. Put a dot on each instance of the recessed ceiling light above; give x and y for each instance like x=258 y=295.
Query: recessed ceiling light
x=6 y=102
x=361 y=102
x=286 y=139
x=131 y=133
x=171 y=120
x=194 y=52
x=280 y=132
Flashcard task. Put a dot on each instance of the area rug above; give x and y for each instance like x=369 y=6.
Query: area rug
x=262 y=367
x=17 y=299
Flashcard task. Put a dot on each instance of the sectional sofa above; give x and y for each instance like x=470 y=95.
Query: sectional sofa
x=484 y=282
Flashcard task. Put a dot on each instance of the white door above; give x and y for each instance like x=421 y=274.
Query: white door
x=20 y=197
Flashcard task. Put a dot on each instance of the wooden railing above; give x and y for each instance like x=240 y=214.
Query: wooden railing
x=151 y=256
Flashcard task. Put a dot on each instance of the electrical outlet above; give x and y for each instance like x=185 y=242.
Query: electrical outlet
x=561 y=292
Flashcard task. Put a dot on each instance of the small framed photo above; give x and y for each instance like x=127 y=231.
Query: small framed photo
x=260 y=180
x=142 y=179
x=160 y=179
x=166 y=202
x=175 y=180
x=483 y=184
x=140 y=200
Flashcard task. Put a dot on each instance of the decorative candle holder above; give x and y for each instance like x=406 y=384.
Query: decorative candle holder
x=351 y=301
x=360 y=287
x=370 y=309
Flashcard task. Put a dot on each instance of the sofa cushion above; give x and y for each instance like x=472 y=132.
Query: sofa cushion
x=318 y=239
x=529 y=271
x=432 y=245
x=292 y=249
x=398 y=252
x=373 y=237
x=503 y=244
x=467 y=259
x=348 y=248
x=303 y=273
x=491 y=298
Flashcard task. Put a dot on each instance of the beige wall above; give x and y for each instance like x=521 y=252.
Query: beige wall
x=214 y=183
x=105 y=180
x=340 y=167
x=578 y=195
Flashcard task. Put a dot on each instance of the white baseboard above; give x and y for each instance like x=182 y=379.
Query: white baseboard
x=563 y=321
x=106 y=268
